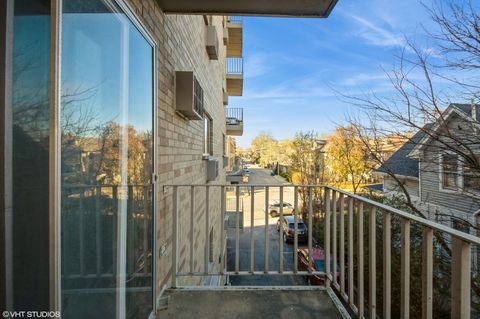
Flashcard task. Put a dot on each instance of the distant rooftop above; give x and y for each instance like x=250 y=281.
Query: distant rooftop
x=400 y=163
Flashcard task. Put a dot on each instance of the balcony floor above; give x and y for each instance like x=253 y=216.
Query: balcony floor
x=249 y=303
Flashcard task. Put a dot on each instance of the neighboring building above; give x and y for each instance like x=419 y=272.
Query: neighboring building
x=436 y=176
x=449 y=187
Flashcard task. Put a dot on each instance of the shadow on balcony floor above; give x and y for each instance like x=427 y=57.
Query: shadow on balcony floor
x=238 y=304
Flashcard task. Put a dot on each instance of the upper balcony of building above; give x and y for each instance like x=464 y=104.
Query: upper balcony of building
x=299 y=8
x=234 y=74
x=234 y=118
x=234 y=36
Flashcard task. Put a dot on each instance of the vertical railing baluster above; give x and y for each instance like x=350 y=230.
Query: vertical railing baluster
x=350 y=252
x=98 y=229
x=237 y=229
x=174 y=236
x=192 y=229
x=461 y=278
x=327 y=237
x=372 y=263
x=207 y=230
x=387 y=265
x=146 y=222
x=265 y=249
x=114 y=223
x=310 y=228
x=295 y=222
x=280 y=243
x=405 y=269
x=252 y=224
x=342 y=245
x=361 y=299
x=222 y=228
x=82 y=232
x=427 y=273
x=334 y=236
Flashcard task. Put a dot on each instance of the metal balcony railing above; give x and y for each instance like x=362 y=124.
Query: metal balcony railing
x=234 y=66
x=89 y=221
x=234 y=116
x=235 y=20
x=344 y=218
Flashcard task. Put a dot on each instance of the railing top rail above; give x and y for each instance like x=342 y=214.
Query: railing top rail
x=424 y=222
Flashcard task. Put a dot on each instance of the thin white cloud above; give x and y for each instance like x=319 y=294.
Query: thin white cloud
x=257 y=65
x=377 y=35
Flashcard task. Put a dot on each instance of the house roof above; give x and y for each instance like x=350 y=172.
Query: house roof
x=400 y=163
x=467 y=109
x=374 y=187
x=463 y=110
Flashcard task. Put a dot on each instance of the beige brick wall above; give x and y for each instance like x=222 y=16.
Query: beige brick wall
x=181 y=46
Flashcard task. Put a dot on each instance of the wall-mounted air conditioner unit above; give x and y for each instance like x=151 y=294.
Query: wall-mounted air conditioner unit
x=225 y=160
x=225 y=36
x=225 y=97
x=212 y=169
x=188 y=95
x=212 y=42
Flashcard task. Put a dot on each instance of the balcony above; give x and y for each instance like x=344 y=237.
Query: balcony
x=234 y=117
x=300 y=8
x=368 y=253
x=235 y=37
x=234 y=73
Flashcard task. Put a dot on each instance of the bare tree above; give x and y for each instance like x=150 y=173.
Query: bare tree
x=420 y=102
x=307 y=163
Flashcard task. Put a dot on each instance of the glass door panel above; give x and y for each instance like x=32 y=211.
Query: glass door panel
x=107 y=163
x=30 y=133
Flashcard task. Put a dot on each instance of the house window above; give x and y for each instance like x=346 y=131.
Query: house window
x=461 y=225
x=471 y=179
x=449 y=172
x=207 y=134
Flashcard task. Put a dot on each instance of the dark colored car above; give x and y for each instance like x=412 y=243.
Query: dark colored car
x=289 y=227
x=318 y=264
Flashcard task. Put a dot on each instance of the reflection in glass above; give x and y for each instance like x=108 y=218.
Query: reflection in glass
x=107 y=158
x=30 y=134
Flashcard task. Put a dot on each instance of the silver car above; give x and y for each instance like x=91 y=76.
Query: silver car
x=274 y=208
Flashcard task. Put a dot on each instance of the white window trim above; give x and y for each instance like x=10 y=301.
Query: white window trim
x=205 y=154
x=440 y=174
x=470 y=193
x=460 y=177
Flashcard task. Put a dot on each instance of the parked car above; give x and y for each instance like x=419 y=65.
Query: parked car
x=288 y=226
x=274 y=208
x=317 y=265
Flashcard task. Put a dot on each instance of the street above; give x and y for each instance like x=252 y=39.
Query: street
x=261 y=176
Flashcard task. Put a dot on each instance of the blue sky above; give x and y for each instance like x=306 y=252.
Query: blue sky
x=291 y=65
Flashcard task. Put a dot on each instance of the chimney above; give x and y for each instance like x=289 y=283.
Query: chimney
x=475 y=112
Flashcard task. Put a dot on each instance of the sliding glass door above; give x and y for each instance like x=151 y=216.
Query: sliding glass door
x=107 y=158
x=28 y=126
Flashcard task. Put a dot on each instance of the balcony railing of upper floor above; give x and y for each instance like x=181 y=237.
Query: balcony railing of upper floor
x=237 y=20
x=234 y=66
x=355 y=230
x=234 y=116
